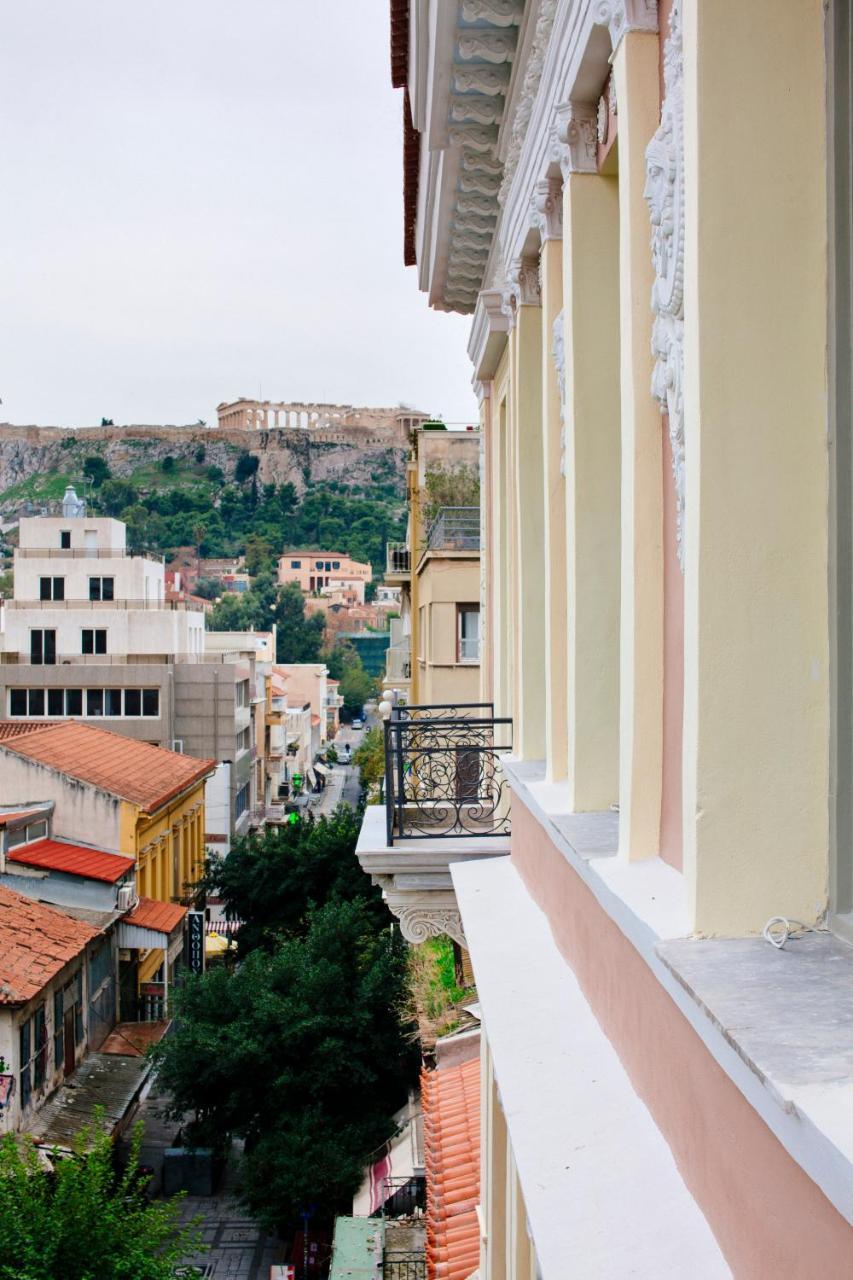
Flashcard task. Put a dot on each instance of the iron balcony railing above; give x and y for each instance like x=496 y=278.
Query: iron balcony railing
x=403 y=1197
x=455 y=529
x=397 y=1265
x=398 y=558
x=443 y=776
x=85 y=553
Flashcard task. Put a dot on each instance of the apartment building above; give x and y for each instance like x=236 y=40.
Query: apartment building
x=325 y=572
x=659 y=286
x=90 y=634
x=434 y=655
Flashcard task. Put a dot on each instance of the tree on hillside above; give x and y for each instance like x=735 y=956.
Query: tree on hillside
x=231 y=613
x=115 y=495
x=96 y=469
x=246 y=467
x=259 y=555
x=299 y=638
x=303 y=1051
x=85 y=1220
x=270 y=878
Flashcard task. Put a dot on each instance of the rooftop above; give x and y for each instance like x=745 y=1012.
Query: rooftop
x=14 y=728
x=36 y=943
x=160 y=916
x=147 y=776
x=451 y=1109
x=75 y=859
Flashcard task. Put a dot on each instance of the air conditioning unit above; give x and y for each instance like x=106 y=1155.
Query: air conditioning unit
x=126 y=895
x=178 y=745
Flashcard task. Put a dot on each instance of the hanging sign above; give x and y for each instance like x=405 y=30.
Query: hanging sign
x=195 y=941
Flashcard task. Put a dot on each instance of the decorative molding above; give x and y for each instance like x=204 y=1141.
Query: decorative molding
x=529 y=89
x=478 y=110
x=491 y=81
x=474 y=137
x=486 y=46
x=664 y=194
x=621 y=16
x=558 y=351
x=500 y=13
x=574 y=138
x=547 y=208
x=522 y=287
x=473 y=204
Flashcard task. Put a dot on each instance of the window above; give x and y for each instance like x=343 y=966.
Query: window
x=151 y=702
x=17 y=702
x=133 y=702
x=112 y=702
x=65 y=539
x=51 y=588
x=35 y=702
x=74 y=702
x=241 y=694
x=79 y=1027
x=43 y=648
x=468 y=631
x=58 y=1030
x=336 y=564
x=16 y=837
x=94 y=702
x=26 y=1070
x=40 y=1045
x=243 y=740
x=56 y=702
x=94 y=641
x=102 y=588
x=36 y=831
x=241 y=801
x=296 y=564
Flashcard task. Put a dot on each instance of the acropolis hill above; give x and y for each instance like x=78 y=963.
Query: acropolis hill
x=303 y=443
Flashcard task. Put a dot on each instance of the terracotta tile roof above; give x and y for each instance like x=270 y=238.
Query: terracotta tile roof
x=161 y=916
x=14 y=728
x=145 y=775
x=36 y=942
x=451 y=1110
x=76 y=859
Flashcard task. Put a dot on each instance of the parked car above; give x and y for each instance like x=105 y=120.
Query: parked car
x=358 y=724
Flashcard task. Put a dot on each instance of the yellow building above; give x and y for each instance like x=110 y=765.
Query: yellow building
x=434 y=656
x=645 y=207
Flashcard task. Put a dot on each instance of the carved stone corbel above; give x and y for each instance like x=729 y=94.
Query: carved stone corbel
x=574 y=138
x=547 y=208
x=620 y=16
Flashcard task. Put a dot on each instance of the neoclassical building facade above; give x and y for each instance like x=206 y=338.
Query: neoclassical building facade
x=645 y=208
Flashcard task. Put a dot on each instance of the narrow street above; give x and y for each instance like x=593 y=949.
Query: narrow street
x=343 y=783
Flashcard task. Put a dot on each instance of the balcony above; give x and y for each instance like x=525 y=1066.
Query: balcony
x=85 y=553
x=455 y=529
x=398 y=563
x=130 y=605
x=446 y=801
x=398 y=662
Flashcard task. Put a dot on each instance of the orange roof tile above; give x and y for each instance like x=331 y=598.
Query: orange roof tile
x=14 y=728
x=36 y=942
x=163 y=917
x=76 y=859
x=136 y=771
x=451 y=1110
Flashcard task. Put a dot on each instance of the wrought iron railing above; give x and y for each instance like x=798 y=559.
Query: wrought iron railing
x=455 y=529
x=403 y=1197
x=443 y=777
x=398 y=558
x=403 y=1266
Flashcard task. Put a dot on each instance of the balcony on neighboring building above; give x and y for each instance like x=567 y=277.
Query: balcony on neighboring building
x=455 y=529
x=446 y=800
x=398 y=563
x=398 y=662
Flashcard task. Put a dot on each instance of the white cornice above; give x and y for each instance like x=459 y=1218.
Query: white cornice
x=488 y=337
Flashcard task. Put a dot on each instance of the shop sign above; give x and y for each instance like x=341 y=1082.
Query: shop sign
x=195 y=941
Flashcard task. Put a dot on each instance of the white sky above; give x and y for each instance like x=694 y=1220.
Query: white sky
x=202 y=199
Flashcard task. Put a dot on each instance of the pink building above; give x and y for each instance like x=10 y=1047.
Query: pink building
x=325 y=571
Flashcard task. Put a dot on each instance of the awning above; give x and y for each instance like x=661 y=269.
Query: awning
x=153 y=925
x=111 y=1081
x=400 y=1161
x=321 y=769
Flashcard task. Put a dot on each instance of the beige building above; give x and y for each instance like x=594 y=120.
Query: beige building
x=434 y=654
x=659 y=286
x=325 y=573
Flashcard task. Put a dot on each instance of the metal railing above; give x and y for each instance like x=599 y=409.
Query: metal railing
x=398 y=558
x=443 y=777
x=133 y=606
x=85 y=553
x=403 y=1197
x=455 y=529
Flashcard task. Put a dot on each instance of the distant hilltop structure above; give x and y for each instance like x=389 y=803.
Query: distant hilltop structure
x=269 y=415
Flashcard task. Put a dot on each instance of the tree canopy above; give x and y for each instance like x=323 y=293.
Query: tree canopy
x=85 y=1221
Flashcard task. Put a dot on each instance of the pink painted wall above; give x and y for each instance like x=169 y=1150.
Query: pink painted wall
x=769 y=1218
x=671 y=821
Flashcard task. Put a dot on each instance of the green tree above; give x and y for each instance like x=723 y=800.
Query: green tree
x=299 y=638
x=168 y=464
x=304 y=1052
x=259 y=555
x=246 y=468
x=208 y=588
x=230 y=614
x=96 y=470
x=369 y=758
x=356 y=688
x=115 y=495
x=85 y=1221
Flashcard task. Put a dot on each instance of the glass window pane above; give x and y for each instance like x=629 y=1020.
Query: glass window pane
x=59 y=588
x=55 y=702
x=35 y=702
x=88 y=641
x=100 y=641
x=74 y=702
x=36 y=646
x=151 y=702
x=94 y=702
x=17 y=702
x=44 y=588
x=65 y=539
x=113 y=706
x=94 y=588
x=132 y=702
x=107 y=588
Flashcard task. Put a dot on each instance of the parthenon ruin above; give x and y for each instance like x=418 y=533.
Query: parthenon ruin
x=266 y=415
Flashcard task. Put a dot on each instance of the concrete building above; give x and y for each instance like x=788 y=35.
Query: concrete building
x=90 y=634
x=660 y=341
x=323 y=572
x=437 y=571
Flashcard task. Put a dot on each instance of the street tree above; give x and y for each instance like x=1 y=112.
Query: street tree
x=303 y=1051
x=84 y=1220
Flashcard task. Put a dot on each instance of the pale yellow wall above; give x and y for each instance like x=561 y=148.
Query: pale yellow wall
x=756 y=723
x=446 y=580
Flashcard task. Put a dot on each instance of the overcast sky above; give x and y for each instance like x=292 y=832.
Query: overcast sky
x=202 y=200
